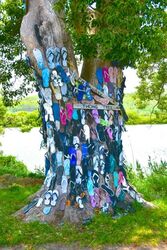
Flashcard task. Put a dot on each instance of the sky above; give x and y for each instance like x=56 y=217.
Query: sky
x=132 y=80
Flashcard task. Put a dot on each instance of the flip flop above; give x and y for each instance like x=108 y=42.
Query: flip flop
x=59 y=158
x=95 y=178
x=75 y=114
x=115 y=74
x=62 y=74
x=64 y=184
x=39 y=58
x=57 y=56
x=46 y=95
x=39 y=203
x=108 y=190
x=86 y=132
x=47 y=210
x=105 y=90
x=90 y=187
x=79 y=201
x=110 y=133
x=96 y=162
x=64 y=89
x=45 y=77
x=72 y=154
x=79 y=174
x=92 y=201
x=101 y=133
x=48 y=112
x=106 y=76
x=63 y=116
x=110 y=89
x=95 y=115
x=111 y=74
x=56 y=111
x=67 y=167
x=83 y=116
x=113 y=163
x=47 y=197
x=69 y=108
x=81 y=92
x=30 y=205
x=99 y=76
x=59 y=172
x=54 y=198
x=84 y=149
x=116 y=178
x=79 y=156
x=73 y=77
x=64 y=56
x=50 y=57
x=88 y=92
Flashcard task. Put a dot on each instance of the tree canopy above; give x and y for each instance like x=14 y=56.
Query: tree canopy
x=133 y=33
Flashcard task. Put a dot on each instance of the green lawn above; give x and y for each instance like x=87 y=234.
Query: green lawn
x=144 y=226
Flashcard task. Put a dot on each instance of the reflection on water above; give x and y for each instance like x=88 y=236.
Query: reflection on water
x=140 y=142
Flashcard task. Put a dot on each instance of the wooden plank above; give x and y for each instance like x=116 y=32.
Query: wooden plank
x=98 y=92
x=95 y=106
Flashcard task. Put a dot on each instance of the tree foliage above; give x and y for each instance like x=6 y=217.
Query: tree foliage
x=133 y=33
x=12 y=67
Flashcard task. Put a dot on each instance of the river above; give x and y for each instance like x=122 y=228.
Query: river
x=139 y=142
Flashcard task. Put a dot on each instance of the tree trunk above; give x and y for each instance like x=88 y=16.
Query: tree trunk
x=94 y=183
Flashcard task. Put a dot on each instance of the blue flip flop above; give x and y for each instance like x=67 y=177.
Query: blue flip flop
x=72 y=154
x=62 y=74
x=116 y=178
x=81 y=92
x=57 y=56
x=47 y=210
x=30 y=205
x=88 y=92
x=90 y=187
x=75 y=115
x=84 y=149
x=56 y=111
x=46 y=77
x=50 y=57
x=99 y=76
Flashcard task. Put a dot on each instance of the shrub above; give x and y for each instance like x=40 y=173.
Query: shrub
x=9 y=165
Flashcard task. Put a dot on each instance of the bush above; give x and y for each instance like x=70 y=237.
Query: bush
x=26 y=120
x=152 y=185
x=9 y=165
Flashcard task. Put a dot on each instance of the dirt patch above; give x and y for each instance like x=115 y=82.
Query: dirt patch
x=7 y=180
x=162 y=246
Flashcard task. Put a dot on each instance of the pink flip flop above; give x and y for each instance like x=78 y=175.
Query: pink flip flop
x=92 y=200
x=79 y=156
x=95 y=115
x=109 y=132
x=111 y=73
x=63 y=116
x=106 y=76
x=69 y=109
x=115 y=74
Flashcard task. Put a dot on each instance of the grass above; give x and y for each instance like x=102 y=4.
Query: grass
x=144 y=226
